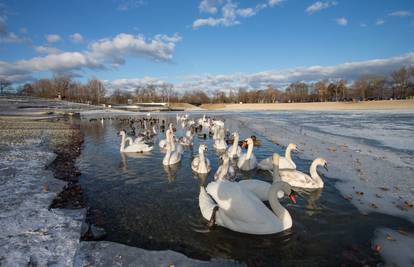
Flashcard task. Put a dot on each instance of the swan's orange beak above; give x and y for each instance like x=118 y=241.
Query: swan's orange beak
x=292 y=197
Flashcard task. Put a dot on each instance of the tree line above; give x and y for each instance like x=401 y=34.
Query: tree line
x=398 y=85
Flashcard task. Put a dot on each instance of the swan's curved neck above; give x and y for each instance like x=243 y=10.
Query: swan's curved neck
x=314 y=173
x=203 y=164
x=224 y=168
x=235 y=145
x=277 y=208
x=287 y=153
x=276 y=176
x=249 y=151
x=122 y=147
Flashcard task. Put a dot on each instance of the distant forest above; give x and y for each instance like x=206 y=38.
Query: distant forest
x=398 y=85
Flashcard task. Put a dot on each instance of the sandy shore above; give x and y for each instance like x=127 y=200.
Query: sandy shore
x=318 y=106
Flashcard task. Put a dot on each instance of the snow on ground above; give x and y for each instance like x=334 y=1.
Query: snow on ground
x=105 y=253
x=32 y=235
x=370 y=153
x=392 y=244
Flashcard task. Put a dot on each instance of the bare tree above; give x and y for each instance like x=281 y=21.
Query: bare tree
x=400 y=78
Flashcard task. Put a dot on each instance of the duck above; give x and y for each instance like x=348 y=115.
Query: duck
x=133 y=147
x=285 y=162
x=228 y=204
x=247 y=161
x=200 y=163
x=186 y=140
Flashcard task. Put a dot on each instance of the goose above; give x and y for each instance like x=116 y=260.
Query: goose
x=285 y=162
x=229 y=205
x=172 y=156
x=219 y=142
x=132 y=147
x=247 y=161
x=234 y=151
x=302 y=180
x=200 y=163
x=225 y=171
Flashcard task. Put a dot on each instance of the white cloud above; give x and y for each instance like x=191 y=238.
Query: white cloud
x=275 y=2
x=47 y=50
x=132 y=84
x=281 y=78
x=161 y=47
x=320 y=5
x=400 y=13
x=379 y=22
x=101 y=54
x=24 y=30
x=363 y=25
x=76 y=38
x=342 y=21
x=208 y=6
x=53 y=38
x=229 y=13
x=126 y=5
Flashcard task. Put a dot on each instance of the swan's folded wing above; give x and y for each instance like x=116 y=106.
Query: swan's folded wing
x=196 y=162
x=294 y=177
x=265 y=164
x=238 y=203
x=259 y=188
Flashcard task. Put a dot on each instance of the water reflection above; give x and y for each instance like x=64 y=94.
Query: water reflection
x=171 y=171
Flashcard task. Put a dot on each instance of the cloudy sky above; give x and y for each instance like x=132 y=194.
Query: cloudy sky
x=204 y=44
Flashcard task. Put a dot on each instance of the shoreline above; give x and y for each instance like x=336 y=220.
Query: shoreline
x=316 y=106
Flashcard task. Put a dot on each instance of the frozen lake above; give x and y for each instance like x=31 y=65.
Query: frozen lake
x=140 y=203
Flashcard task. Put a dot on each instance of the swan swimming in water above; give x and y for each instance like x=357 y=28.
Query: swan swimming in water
x=173 y=154
x=285 y=162
x=247 y=161
x=234 y=151
x=299 y=179
x=168 y=133
x=200 y=163
x=132 y=147
x=225 y=171
x=229 y=205
x=186 y=140
x=219 y=142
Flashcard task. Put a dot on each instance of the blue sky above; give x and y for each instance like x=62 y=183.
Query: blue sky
x=204 y=44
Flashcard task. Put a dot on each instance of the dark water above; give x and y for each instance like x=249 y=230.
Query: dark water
x=140 y=203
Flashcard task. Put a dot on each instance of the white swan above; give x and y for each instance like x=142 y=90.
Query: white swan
x=299 y=179
x=285 y=162
x=228 y=204
x=261 y=188
x=186 y=140
x=133 y=147
x=247 y=161
x=234 y=151
x=168 y=133
x=219 y=142
x=200 y=163
x=172 y=156
x=225 y=171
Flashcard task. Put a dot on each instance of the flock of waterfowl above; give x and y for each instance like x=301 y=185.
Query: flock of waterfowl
x=236 y=205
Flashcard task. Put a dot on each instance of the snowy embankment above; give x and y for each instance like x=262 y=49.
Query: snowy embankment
x=371 y=156
x=31 y=234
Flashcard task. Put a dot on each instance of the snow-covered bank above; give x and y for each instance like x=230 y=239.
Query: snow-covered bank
x=106 y=253
x=370 y=153
x=31 y=234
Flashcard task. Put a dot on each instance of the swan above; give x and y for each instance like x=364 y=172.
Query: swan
x=285 y=162
x=172 y=156
x=234 y=151
x=163 y=142
x=186 y=140
x=229 y=205
x=200 y=163
x=219 y=142
x=247 y=161
x=132 y=147
x=299 y=179
x=261 y=188
x=225 y=171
